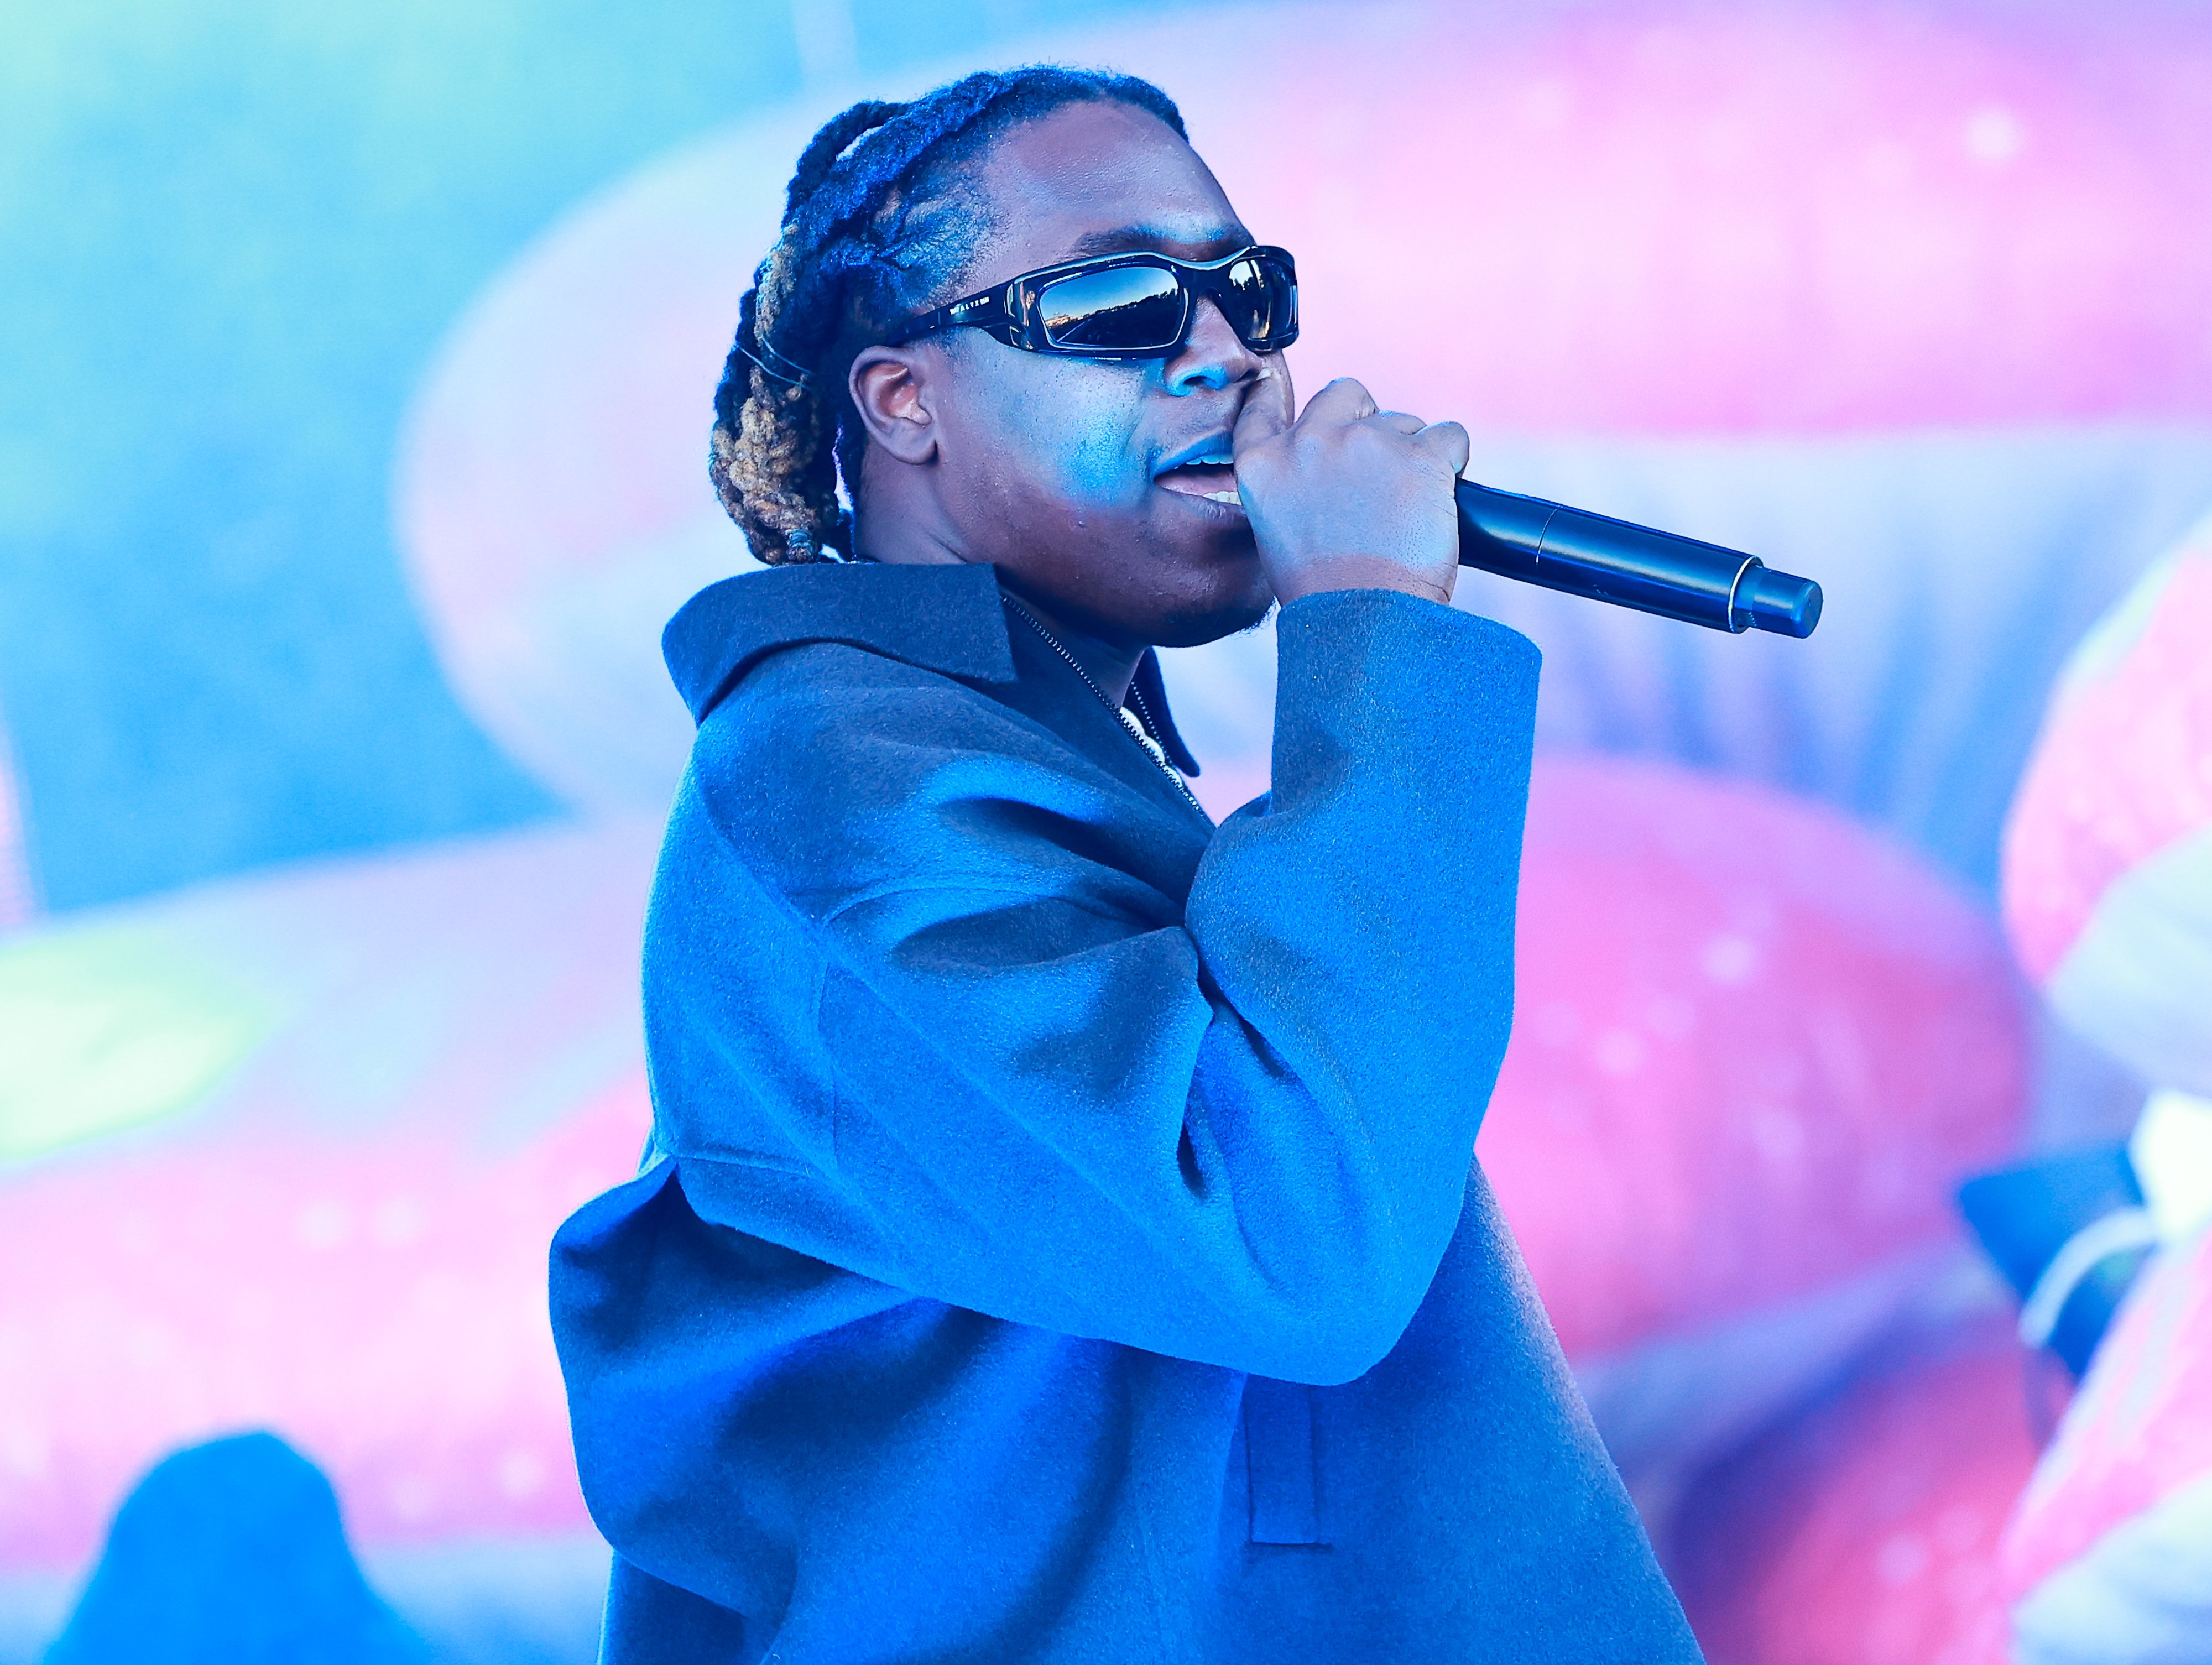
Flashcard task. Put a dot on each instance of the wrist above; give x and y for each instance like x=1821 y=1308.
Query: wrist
x=1362 y=573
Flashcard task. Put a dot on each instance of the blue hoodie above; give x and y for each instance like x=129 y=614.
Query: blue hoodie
x=1060 y=1239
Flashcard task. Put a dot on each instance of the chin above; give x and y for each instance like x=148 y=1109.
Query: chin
x=1221 y=591
x=1196 y=631
x=1199 y=621
x=1178 y=586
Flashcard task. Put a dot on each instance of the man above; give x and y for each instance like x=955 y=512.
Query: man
x=1059 y=1240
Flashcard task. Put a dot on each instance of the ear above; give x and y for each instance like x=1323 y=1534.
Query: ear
x=895 y=392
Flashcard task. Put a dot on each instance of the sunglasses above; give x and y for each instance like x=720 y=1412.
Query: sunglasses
x=1129 y=306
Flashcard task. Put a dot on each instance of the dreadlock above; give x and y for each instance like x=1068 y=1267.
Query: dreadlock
x=869 y=234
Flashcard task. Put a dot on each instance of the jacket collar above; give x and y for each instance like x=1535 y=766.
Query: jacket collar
x=942 y=618
x=948 y=619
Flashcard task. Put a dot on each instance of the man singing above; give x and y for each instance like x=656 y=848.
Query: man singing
x=1060 y=1239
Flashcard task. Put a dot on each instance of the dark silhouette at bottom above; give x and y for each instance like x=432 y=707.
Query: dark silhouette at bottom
x=232 y=1552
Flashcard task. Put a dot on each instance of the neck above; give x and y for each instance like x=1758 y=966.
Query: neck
x=1111 y=663
x=927 y=539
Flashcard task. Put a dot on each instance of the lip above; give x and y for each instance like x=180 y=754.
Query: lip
x=1219 y=440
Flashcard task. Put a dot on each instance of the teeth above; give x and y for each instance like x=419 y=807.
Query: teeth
x=1228 y=496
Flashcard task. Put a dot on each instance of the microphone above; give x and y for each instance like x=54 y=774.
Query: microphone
x=1630 y=566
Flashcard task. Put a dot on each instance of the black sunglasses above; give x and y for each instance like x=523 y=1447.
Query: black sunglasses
x=1129 y=306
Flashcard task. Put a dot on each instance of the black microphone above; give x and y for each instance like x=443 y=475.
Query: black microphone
x=1631 y=566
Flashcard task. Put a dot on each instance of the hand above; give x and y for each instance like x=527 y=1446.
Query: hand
x=1348 y=497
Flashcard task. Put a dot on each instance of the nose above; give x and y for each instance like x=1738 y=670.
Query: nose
x=1213 y=358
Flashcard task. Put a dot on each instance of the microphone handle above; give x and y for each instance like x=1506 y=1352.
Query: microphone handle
x=1630 y=566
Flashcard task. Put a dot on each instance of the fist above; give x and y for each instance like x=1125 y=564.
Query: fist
x=1349 y=497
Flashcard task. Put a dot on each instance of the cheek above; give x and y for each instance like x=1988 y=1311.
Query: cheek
x=1078 y=424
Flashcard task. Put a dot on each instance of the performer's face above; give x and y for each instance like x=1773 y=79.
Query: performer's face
x=1057 y=470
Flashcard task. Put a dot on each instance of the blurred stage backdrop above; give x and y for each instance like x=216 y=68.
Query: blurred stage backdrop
x=357 y=363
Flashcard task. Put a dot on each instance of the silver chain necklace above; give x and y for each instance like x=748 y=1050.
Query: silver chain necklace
x=1122 y=719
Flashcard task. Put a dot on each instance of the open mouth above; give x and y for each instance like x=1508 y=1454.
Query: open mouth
x=1213 y=477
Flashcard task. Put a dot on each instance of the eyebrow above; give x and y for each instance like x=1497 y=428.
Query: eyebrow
x=1124 y=239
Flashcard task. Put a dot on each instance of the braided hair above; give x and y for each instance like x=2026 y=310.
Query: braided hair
x=870 y=233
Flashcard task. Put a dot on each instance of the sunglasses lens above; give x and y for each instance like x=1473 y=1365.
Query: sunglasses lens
x=1124 y=309
x=1260 y=301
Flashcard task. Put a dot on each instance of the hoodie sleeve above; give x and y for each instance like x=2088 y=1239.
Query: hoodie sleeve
x=1237 y=1131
